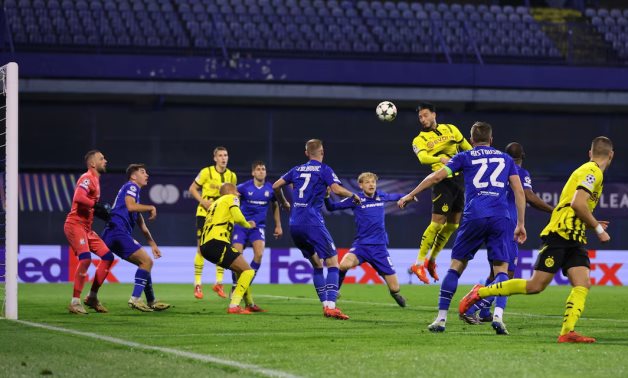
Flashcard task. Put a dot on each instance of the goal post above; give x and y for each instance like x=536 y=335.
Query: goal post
x=9 y=75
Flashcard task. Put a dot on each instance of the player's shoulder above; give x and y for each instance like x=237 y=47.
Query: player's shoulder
x=449 y=127
x=588 y=168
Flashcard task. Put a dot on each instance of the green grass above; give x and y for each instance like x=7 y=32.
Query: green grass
x=380 y=339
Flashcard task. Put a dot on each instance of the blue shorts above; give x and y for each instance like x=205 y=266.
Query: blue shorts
x=312 y=239
x=377 y=255
x=495 y=233
x=243 y=235
x=120 y=243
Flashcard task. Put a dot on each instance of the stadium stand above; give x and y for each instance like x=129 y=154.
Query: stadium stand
x=437 y=31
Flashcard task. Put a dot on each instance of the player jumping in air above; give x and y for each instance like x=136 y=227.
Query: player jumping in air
x=307 y=227
x=125 y=214
x=371 y=240
x=486 y=220
x=434 y=146
x=81 y=237
x=563 y=243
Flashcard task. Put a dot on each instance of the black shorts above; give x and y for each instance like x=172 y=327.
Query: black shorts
x=219 y=252
x=558 y=252
x=200 y=221
x=448 y=196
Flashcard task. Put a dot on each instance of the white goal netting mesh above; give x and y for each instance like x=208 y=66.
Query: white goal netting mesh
x=8 y=191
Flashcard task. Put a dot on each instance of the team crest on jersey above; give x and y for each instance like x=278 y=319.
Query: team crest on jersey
x=235 y=237
x=445 y=208
x=266 y=194
x=549 y=261
x=250 y=193
x=430 y=145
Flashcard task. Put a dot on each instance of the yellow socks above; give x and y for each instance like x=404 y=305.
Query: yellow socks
x=199 y=262
x=574 y=308
x=504 y=288
x=429 y=236
x=244 y=281
x=442 y=238
x=220 y=274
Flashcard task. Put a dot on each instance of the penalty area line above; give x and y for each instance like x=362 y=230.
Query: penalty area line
x=179 y=353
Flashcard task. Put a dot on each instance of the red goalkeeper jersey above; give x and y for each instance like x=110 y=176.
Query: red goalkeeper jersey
x=86 y=194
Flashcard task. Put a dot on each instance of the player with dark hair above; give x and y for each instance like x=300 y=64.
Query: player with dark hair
x=515 y=150
x=208 y=181
x=563 y=243
x=434 y=146
x=118 y=235
x=370 y=244
x=307 y=226
x=81 y=237
x=256 y=197
x=216 y=246
x=486 y=220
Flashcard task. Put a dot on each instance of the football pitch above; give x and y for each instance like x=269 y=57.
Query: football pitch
x=198 y=339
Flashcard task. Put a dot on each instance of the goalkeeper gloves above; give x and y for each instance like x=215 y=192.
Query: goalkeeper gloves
x=102 y=211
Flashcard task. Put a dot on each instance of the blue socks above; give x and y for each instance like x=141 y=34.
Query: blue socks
x=148 y=289
x=501 y=301
x=255 y=266
x=448 y=289
x=319 y=284
x=332 y=284
x=141 y=278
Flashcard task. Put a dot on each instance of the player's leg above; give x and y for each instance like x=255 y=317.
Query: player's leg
x=393 y=287
x=468 y=241
x=379 y=258
x=102 y=271
x=245 y=276
x=427 y=241
x=74 y=234
x=238 y=246
x=258 y=252
x=301 y=240
x=576 y=269
x=199 y=261
x=453 y=221
x=349 y=261
x=142 y=276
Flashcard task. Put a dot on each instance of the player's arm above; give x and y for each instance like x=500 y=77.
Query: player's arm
x=339 y=190
x=341 y=205
x=520 y=202
x=195 y=192
x=277 y=217
x=429 y=181
x=580 y=207
x=134 y=207
x=427 y=159
x=148 y=236
x=238 y=217
x=537 y=202
x=281 y=199
x=81 y=197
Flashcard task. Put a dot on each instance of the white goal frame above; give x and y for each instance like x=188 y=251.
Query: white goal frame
x=11 y=212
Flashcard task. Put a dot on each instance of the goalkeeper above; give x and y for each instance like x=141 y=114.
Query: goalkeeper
x=117 y=235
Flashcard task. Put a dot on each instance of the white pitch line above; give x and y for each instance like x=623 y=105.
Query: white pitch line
x=522 y=314
x=179 y=353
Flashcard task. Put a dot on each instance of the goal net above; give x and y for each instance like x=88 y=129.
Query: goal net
x=8 y=190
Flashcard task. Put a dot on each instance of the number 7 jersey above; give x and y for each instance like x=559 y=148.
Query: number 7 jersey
x=486 y=180
x=309 y=184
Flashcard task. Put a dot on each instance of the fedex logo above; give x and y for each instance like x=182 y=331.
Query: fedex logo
x=51 y=263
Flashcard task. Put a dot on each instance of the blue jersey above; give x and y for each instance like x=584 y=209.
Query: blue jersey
x=309 y=184
x=486 y=174
x=254 y=201
x=526 y=182
x=121 y=218
x=369 y=216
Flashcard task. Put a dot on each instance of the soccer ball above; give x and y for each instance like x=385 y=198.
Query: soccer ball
x=386 y=111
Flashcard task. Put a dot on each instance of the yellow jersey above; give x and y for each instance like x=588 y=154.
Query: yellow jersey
x=210 y=180
x=222 y=215
x=564 y=221
x=445 y=140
